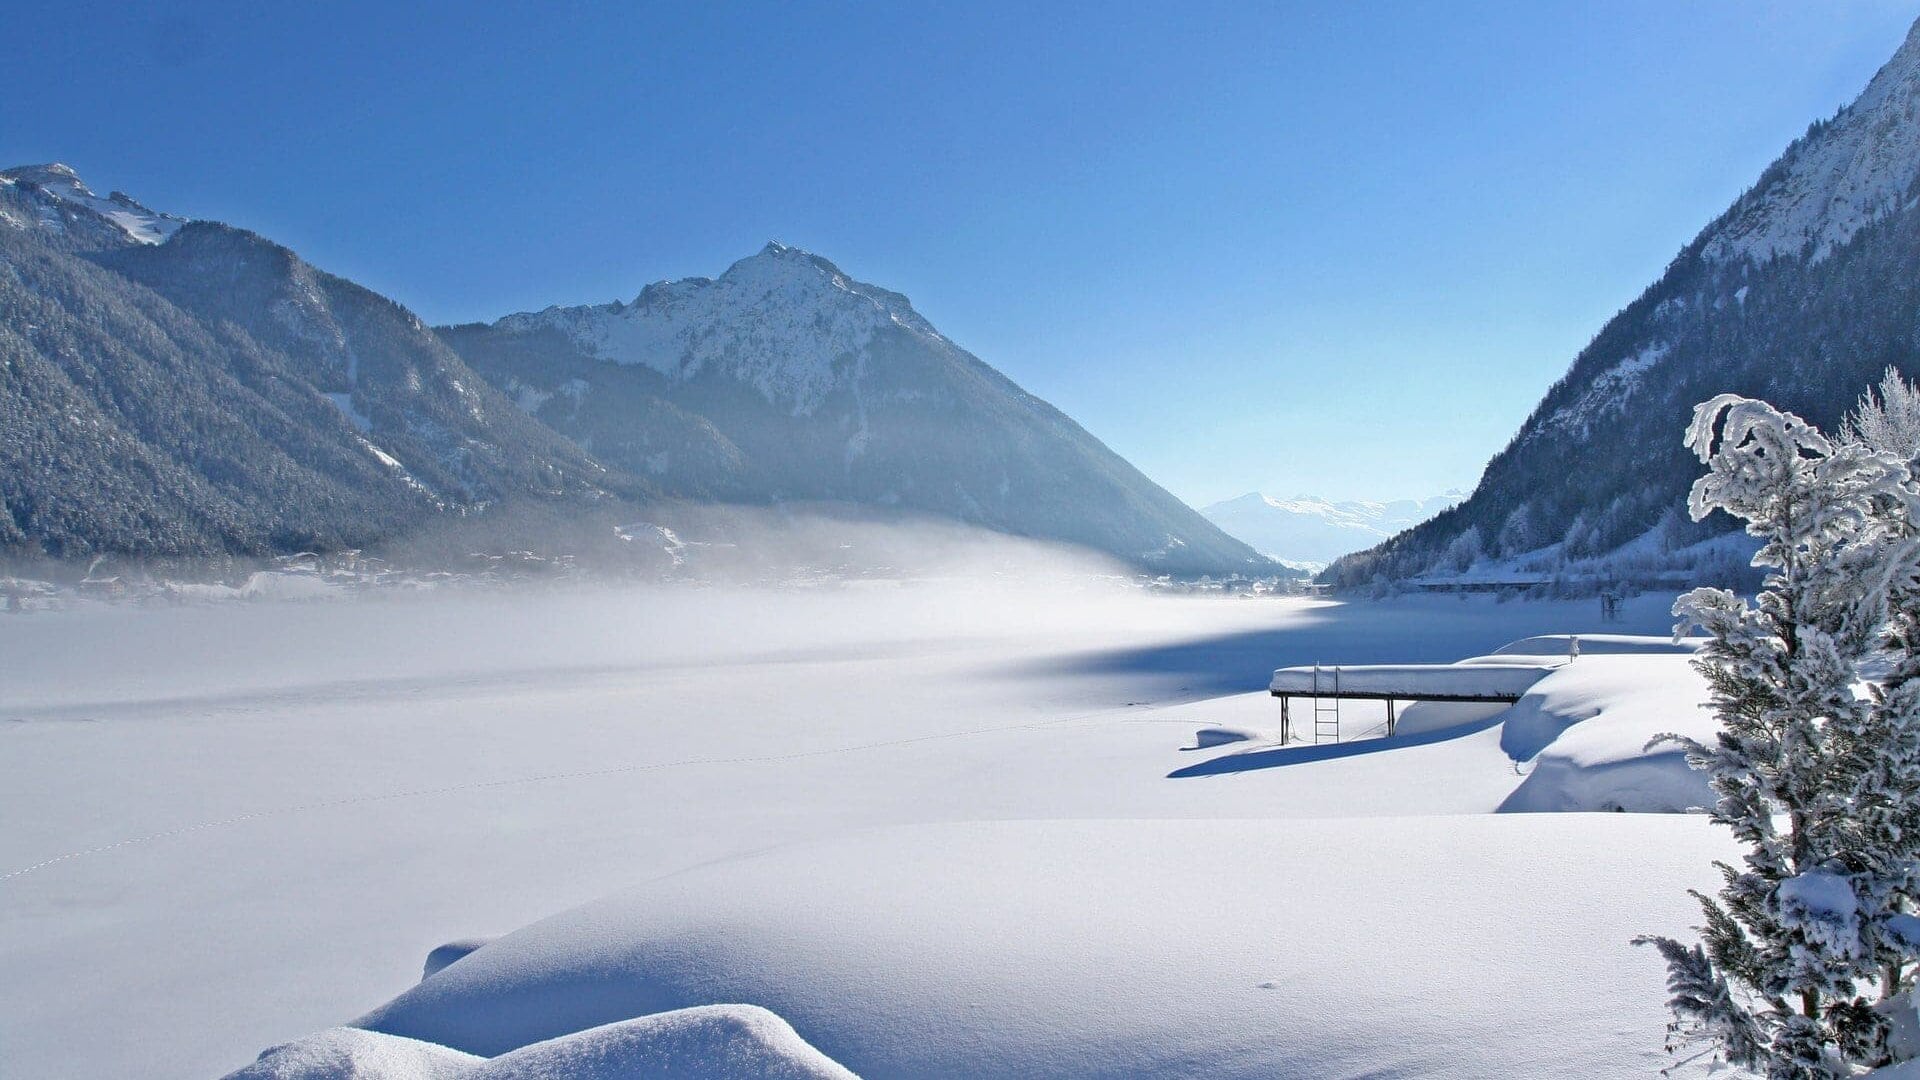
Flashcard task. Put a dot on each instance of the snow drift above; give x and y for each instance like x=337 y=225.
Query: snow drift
x=1062 y=949
x=714 y=1042
x=1586 y=729
x=353 y=1054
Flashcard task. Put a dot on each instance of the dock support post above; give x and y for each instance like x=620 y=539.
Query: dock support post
x=1286 y=723
x=1389 y=718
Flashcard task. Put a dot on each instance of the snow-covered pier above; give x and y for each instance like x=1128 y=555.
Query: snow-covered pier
x=1500 y=679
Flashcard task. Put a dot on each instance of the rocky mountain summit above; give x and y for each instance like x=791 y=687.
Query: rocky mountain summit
x=786 y=380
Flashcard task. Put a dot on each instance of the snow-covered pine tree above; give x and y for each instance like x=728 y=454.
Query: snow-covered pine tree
x=1886 y=802
x=1802 y=934
x=1887 y=419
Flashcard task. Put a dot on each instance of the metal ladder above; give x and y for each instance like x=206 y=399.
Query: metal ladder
x=1326 y=711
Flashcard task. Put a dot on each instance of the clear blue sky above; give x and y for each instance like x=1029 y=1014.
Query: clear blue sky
x=1335 y=248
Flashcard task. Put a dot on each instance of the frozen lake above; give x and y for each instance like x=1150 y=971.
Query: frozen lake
x=231 y=825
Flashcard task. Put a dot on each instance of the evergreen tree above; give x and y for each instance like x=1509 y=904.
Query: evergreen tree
x=1816 y=781
x=1886 y=807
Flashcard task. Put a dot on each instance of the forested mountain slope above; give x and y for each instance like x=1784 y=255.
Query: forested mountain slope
x=185 y=388
x=1802 y=293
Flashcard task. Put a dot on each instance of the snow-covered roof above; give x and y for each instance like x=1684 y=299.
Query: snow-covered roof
x=1558 y=644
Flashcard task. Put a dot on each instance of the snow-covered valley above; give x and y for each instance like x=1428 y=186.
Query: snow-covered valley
x=942 y=827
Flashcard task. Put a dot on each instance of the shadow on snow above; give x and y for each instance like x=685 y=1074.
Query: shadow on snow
x=1278 y=757
x=1407 y=631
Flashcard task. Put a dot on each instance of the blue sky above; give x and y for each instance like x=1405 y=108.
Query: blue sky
x=1334 y=248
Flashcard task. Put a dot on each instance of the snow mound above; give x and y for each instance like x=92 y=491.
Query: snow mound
x=353 y=1054
x=1220 y=735
x=1447 y=946
x=1431 y=717
x=712 y=1042
x=1586 y=729
x=442 y=955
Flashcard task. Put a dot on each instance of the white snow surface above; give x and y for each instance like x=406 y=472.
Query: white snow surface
x=1822 y=906
x=1585 y=731
x=448 y=952
x=1600 y=644
x=709 y=1042
x=1819 y=893
x=1473 y=946
x=346 y=1053
x=931 y=823
x=1220 y=735
x=712 y=1042
x=64 y=185
x=785 y=322
x=1836 y=180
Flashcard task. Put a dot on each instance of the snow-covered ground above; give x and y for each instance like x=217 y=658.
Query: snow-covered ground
x=715 y=1042
x=1585 y=732
x=941 y=828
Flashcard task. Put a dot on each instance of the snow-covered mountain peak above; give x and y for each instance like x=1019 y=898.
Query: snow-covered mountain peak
x=785 y=321
x=1839 y=177
x=63 y=185
x=51 y=174
x=779 y=266
x=1311 y=530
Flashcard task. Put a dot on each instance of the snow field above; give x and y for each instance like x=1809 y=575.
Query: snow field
x=243 y=824
x=1470 y=946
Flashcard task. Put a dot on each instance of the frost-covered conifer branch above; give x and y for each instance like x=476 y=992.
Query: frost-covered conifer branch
x=1804 y=946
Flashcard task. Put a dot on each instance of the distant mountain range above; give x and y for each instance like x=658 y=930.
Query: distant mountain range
x=1310 y=532
x=1802 y=293
x=186 y=388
